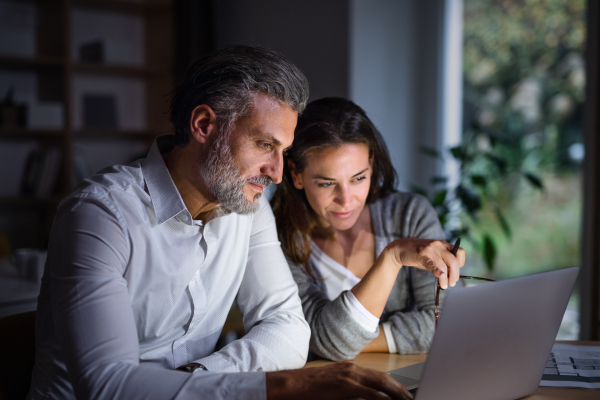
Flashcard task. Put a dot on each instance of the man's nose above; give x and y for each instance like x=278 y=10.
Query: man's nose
x=274 y=168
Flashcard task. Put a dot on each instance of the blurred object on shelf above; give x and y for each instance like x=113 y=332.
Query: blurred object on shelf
x=92 y=52
x=122 y=35
x=46 y=115
x=99 y=111
x=12 y=114
x=41 y=172
x=18 y=22
x=5 y=248
x=29 y=263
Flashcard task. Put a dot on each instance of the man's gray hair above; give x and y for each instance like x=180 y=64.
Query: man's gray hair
x=228 y=79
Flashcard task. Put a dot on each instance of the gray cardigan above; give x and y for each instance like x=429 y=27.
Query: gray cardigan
x=335 y=333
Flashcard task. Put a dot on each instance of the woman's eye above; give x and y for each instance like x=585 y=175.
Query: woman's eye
x=325 y=184
x=361 y=178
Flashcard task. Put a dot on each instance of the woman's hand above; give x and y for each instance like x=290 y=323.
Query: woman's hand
x=434 y=256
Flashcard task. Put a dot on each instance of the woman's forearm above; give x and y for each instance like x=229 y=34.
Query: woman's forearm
x=432 y=255
x=374 y=288
x=377 y=345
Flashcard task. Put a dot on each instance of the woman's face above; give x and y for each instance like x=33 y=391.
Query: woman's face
x=336 y=182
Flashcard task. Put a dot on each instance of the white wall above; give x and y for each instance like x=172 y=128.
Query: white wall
x=386 y=55
x=396 y=74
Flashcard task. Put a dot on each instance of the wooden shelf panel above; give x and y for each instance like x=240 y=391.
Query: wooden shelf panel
x=117 y=133
x=24 y=133
x=122 y=70
x=30 y=201
x=30 y=63
x=123 y=6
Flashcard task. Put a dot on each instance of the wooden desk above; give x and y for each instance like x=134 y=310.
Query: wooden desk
x=387 y=362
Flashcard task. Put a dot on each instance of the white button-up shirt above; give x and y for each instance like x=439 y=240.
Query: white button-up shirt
x=134 y=287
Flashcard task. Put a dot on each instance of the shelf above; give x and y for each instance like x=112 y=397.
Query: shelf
x=58 y=72
x=122 y=6
x=116 y=133
x=22 y=1
x=24 y=133
x=30 y=63
x=122 y=70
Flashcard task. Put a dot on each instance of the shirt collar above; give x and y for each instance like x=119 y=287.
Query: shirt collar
x=166 y=200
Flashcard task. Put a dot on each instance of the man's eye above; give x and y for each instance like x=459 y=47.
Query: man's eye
x=265 y=145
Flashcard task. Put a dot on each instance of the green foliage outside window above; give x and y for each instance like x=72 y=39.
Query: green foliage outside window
x=524 y=83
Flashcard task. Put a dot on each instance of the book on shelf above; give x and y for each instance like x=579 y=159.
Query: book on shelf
x=41 y=172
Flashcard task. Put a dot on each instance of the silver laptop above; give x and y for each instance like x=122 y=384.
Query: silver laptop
x=493 y=339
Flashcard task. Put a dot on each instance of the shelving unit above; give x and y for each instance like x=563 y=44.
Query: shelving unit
x=56 y=69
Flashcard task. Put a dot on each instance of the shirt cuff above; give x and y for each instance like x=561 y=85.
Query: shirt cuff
x=359 y=312
x=217 y=363
x=218 y=386
x=389 y=338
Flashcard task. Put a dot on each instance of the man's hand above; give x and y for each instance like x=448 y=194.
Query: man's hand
x=344 y=380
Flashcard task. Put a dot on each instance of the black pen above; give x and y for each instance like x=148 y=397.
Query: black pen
x=454 y=252
x=438 y=286
x=456 y=247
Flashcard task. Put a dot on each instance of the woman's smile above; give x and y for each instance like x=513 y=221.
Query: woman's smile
x=342 y=215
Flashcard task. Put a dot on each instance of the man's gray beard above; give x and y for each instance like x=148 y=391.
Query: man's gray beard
x=225 y=181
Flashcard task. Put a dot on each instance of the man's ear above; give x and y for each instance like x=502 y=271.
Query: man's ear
x=203 y=123
x=296 y=177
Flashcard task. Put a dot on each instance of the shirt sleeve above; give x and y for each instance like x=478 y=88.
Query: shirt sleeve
x=277 y=333
x=93 y=318
x=336 y=334
x=389 y=337
x=412 y=331
x=359 y=312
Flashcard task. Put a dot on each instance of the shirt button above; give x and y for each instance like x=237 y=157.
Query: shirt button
x=184 y=218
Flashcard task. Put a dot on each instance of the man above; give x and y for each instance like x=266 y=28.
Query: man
x=145 y=260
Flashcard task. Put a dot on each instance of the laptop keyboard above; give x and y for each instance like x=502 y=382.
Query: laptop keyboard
x=406 y=381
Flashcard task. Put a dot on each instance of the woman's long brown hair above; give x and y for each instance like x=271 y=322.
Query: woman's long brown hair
x=328 y=122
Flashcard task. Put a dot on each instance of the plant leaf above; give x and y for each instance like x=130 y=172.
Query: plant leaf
x=503 y=223
x=429 y=151
x=458 y=153
x=534 y=180
x=478 y=180
x=439 y=198
x=459 y=232
x=489 y=252
x=495 y=135
x=469 y=199
x=418 y=190
x=499 y=162
x=443 y=219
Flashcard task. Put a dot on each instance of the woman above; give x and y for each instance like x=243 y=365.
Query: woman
x=349 y=238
